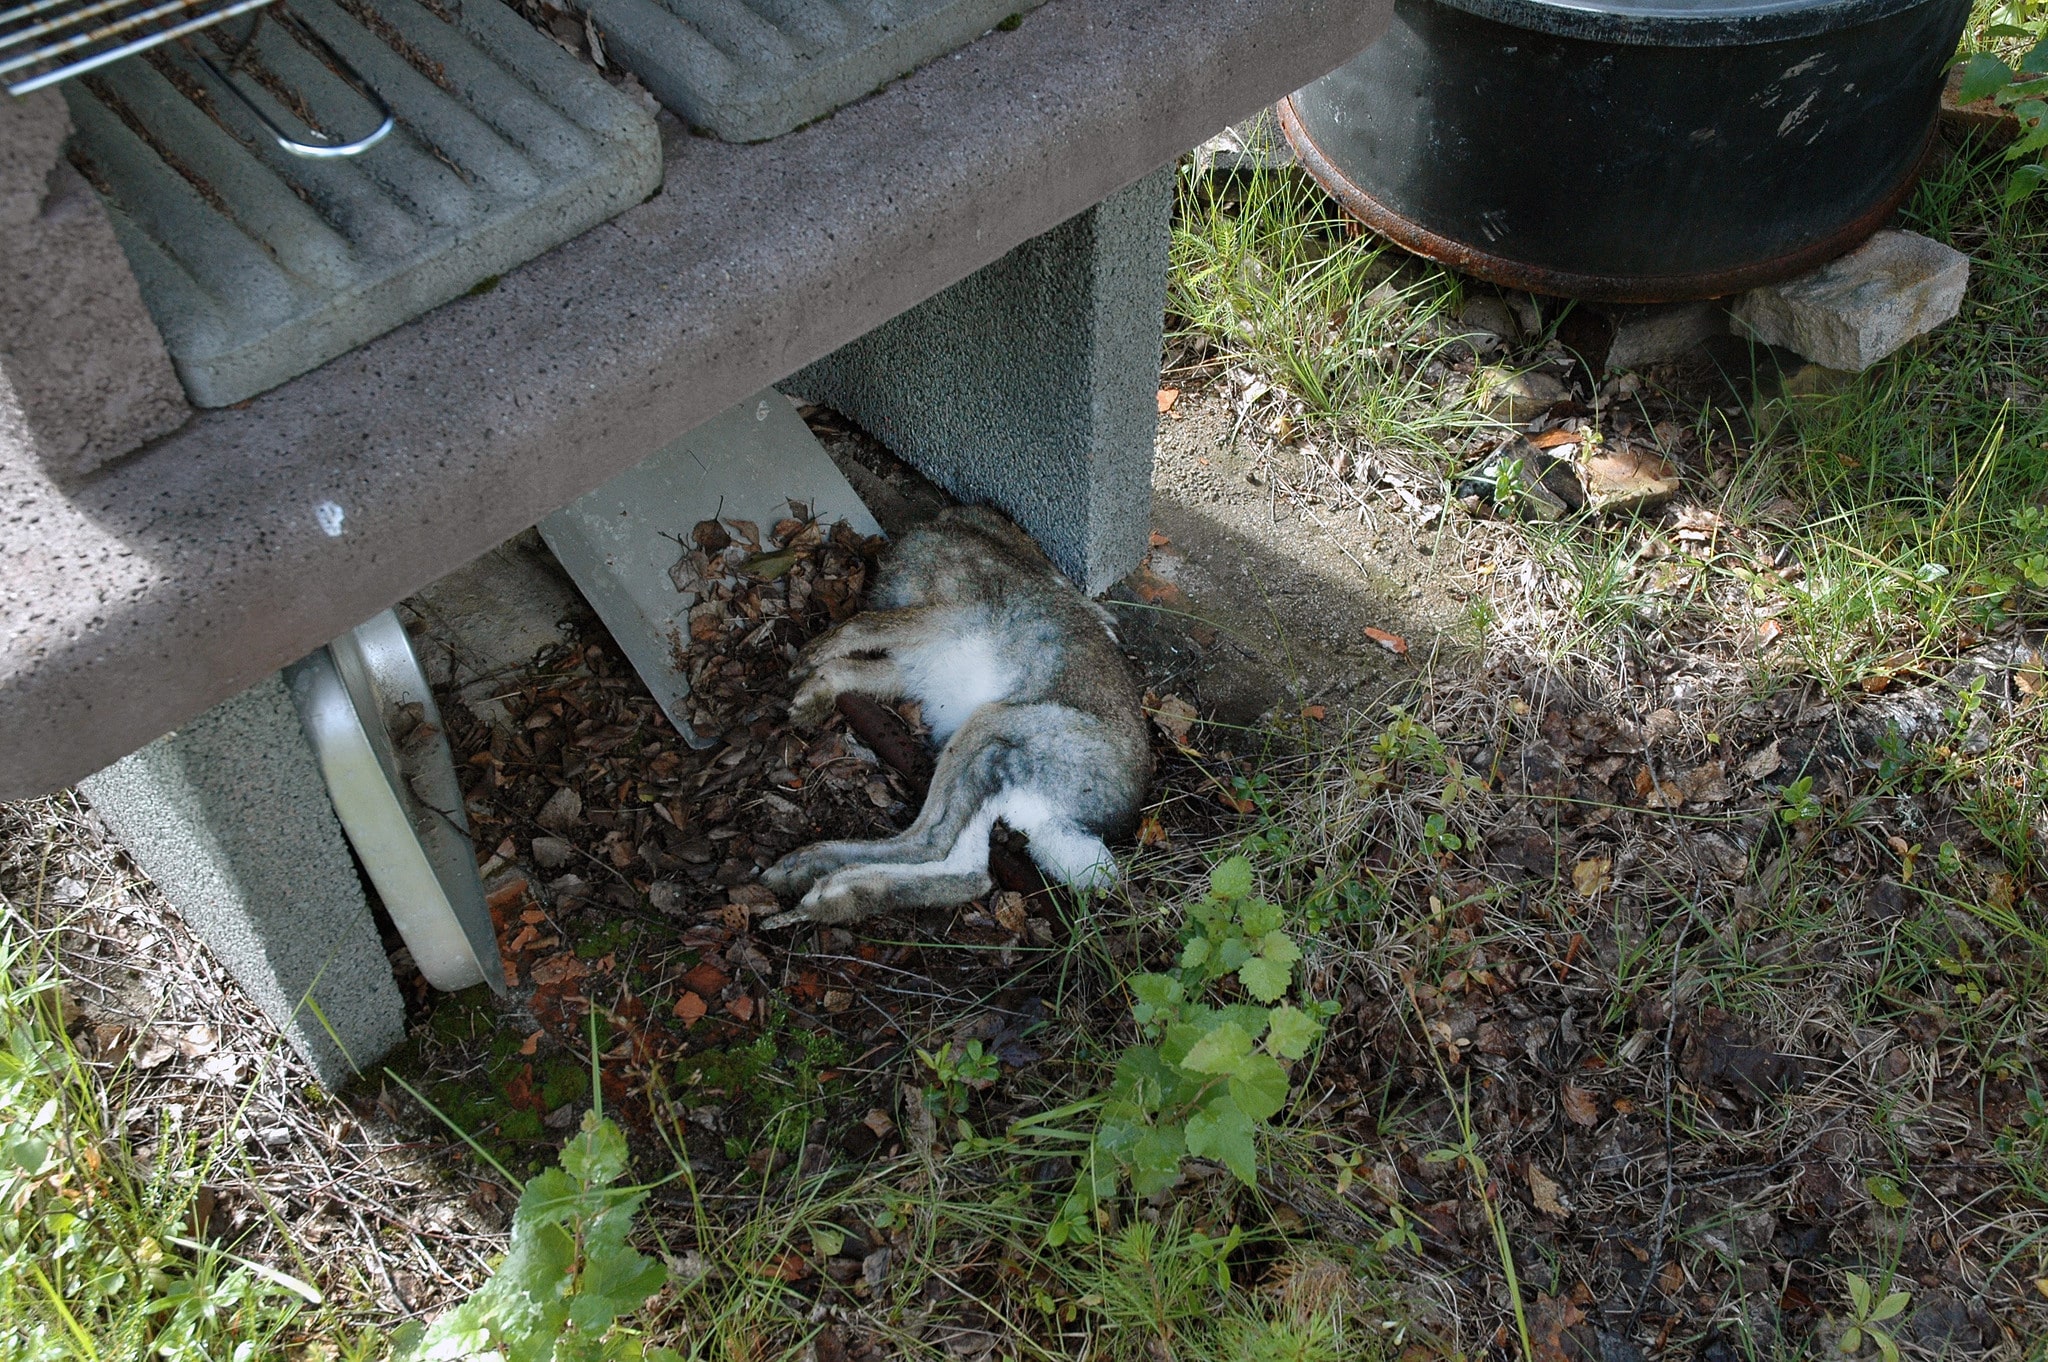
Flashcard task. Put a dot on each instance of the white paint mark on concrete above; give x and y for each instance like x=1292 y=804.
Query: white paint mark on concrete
x=761 y=412
x=330 y=515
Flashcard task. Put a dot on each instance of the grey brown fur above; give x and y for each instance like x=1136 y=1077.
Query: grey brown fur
x=1035 y=708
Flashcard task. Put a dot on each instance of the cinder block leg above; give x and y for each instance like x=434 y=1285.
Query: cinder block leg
x=230 y=817
x=1032 y=384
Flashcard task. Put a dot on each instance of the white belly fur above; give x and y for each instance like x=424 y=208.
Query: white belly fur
x=954 y=678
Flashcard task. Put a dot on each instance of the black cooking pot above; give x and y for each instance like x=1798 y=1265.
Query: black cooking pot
x=1631 y=150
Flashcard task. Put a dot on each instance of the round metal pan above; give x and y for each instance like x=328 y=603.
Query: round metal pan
x=1631 y=150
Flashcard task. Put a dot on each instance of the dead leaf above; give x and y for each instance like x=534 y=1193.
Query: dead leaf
x=1393 y=643
x=1151 y=832
x=878 y=1121
x=557 y=969
x=506 y=893
x=1233 y=803
x=1154 y=589
x=1316 y=712
x=690 y=1009
x=530 y=1044
x=1552 y=1319
x=1581 y=1105
x=1545 y=1194
x=705 y=978
x=562 y=812
x=1763 y=762
x=710 y=536
x=1551 y=439
x=1008 y=909
x=741 y=1007
x=1175 y=717
x=154 y=1051
x=836 y=1000
x=1769 y=632
x=1167 y=397
x=1591 y=875
x=1158 y=540
x=198 y=1040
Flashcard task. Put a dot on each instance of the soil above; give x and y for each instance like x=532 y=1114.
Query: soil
x=1281 y=589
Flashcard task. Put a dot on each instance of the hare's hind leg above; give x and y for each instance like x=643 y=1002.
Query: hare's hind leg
x=1064 y=848
x=971 y=769
x=953 y=822
x=859 y=891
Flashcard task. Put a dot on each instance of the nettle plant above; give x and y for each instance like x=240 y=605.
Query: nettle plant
x=1206 y=1077
x=2023 y=89
x=569 y=1278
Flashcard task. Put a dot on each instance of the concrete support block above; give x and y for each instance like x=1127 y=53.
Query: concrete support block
x=83 y=373
x=1852 y=312
x=229 y=816
x=1031 y=385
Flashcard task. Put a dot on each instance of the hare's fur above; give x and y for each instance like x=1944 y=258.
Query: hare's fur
x=1036 y=712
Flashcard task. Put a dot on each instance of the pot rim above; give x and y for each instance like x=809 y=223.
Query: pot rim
x=1682 y=23
x=1412 y=236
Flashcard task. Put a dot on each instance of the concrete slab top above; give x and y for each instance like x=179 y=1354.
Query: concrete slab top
x=184 y=574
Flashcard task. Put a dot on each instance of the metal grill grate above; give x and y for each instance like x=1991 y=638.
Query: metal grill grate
x=45 y=41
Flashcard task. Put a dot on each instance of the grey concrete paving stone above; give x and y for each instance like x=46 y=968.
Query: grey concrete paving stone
x=83 y=375
x=259 y=265
x=230 y=818
x=484 y=622
x=1032 y=384
x=753 y=69
x=193 y=569
x=620 y=542
x=1852 y=312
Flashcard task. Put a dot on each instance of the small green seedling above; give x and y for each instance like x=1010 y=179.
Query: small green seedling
x=960 y=1070
x=1868 y=1311
x=1797 y=803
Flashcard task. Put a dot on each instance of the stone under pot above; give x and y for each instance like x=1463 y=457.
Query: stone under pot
x=1631 y=150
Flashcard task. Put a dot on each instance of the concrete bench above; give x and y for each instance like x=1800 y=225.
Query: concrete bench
x=970 y=261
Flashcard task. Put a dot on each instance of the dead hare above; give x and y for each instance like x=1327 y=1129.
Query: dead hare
x=1036 y=712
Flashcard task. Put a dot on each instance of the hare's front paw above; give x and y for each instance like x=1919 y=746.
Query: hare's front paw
x=812 y=704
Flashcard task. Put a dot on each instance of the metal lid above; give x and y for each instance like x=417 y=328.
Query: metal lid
x=1682 y=23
